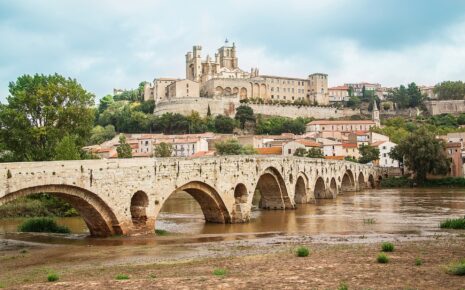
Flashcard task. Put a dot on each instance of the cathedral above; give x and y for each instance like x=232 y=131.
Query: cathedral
x=221 y=77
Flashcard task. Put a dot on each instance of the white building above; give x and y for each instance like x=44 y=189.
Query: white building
x=331 y=147
x=385 y=148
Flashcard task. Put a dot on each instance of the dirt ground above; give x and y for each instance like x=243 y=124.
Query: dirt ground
x=248 y=265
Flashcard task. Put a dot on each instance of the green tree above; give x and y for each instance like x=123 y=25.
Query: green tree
x=300 y=152
x=368 y=153
x=314 y=153
x=101 y=134
x=244 y=114
x=41 y=110
x=124 y=149
x=66 y=149
x=233 y=147
x=354 y=102
x=450 y=90
x=104 y=103
x=422 y=153
x=163 y=150
x=224 y=124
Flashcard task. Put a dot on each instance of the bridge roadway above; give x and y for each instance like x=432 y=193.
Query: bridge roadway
x=124 y=196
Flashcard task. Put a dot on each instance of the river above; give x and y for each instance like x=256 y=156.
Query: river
x=378 y=211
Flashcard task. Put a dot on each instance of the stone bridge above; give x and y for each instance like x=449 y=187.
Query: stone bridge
x=124 y=196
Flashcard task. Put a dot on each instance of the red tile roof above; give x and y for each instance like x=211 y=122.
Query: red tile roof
x=270 y=151
x=341 y=122
x=340 y=88
x=308 y=143
x=349 y=145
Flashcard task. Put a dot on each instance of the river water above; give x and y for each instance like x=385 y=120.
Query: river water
x=377 y=211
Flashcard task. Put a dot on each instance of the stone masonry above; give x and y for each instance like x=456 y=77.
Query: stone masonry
x=124 y=196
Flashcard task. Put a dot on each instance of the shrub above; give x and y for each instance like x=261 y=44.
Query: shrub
x=42 y=224
x=343 y=286
x=302 y=251
x=418 y=262
x=382 y=258
x=161 y=232
x=387 y=247
x=52 y=277
x=458 y=223
x=391 y=182
x=457 y=268
x=219 y=272
x=122 y=277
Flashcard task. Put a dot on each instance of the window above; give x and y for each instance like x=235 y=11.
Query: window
x=289 y=151
x=272 y=89
x=384 y=147
x=272 y=96
x=384 y=154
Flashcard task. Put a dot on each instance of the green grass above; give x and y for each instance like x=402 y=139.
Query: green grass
x=160 y=232
x=302 y=251
x=369 y=221
x=343 y=286
x=458 y=224
x=387 y=247
x=418 y=262
x=219 y=272
x=457 y=268
x=122 y=277
x=382 y=258
x=43 y=225
x=52 y=277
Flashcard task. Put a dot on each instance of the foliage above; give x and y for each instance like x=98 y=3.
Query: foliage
x=40 y=111
x=343 y=286
x=224 y=124
x=105 y=102
x=407 y=97
x=351 y=159
x=277 y=125
x=219 y=272
x=122 y=277
x=124 y=149
x=37 y=205
x=146 y=107
x=66 y=149
x=418 y=261
x=423 y=154
x=43 y=225
x=450 y=90
x=233 y=147
x=163 y=150
x=244 y=114
x=354 y=102
x=393 y=182
x=458 y=223
x=368 y=154
x=101 y=134
x=160 y=232
x=302 y=251
x=311 y=152
x=387 y=247
x=52 y=277
x=447 y=181
x=457 y=268
x=382 y=258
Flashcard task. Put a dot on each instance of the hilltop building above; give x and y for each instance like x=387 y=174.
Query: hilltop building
x=220 y=83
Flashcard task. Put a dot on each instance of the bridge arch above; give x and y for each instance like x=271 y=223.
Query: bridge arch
x=361 y=181
x=138 y=208
x=211 y=203
x=320 y=188
x=240 y=212
x=300 y=192
x=371 y=181
x=97 y=215
x=273 y=191
x=348 y=181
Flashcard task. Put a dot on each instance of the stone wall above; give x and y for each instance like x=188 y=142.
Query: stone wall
x=124 y=196
x=445 y=107
x=227 y=106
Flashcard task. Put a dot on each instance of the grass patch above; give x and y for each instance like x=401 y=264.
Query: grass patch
x=122 y=277
x=52 y=277
x=382 y=258
x=369 y=221
x=387 y=247
x=418 y=262
x=457 y=268
x=42 y=225
x=302 y=251
x=219 y=272
x=160 y=232
x=458 y=224
x=343 y=286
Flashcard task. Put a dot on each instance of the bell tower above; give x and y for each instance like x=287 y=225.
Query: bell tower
x=375 y=114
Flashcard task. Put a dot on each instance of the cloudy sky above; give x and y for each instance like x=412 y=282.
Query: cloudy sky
x=111 y=43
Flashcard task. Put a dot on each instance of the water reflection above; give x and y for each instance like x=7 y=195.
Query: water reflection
x=370 y=211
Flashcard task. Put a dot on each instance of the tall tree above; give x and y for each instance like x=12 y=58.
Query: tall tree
x=422 y=153
x=224 y=124
x=41 y=109
x=368 y=153
x=233 y=147
x=450 y=90
x=66 y=149
x=163 y=150
x=124 y=149
x=244 y=114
